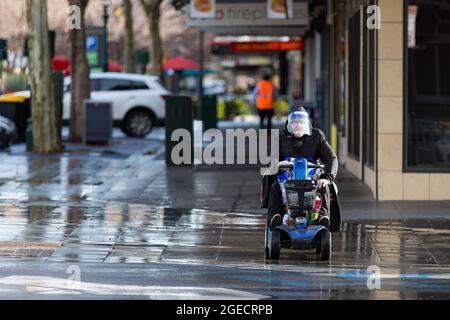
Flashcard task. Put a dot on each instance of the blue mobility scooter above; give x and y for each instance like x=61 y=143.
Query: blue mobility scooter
x=301 y=198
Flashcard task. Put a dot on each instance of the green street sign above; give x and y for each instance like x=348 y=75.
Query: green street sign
x=92 y=57
x=94 y=47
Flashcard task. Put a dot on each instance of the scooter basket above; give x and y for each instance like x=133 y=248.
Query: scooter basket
x=300 y=194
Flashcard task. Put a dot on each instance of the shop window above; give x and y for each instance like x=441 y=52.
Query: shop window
x=427 y=113
x=369 y=92
x=354 y=85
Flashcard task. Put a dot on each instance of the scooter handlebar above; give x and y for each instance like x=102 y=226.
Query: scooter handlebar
x=315 y=166
x=291 y=166
x=286 y=166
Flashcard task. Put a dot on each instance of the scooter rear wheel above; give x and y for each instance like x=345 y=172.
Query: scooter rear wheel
x=275 y=245
x=324 y=249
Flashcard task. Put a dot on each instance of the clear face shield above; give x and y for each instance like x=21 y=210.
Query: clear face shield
x=299 y=124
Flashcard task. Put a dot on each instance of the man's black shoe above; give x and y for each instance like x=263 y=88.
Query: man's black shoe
x=277 y=220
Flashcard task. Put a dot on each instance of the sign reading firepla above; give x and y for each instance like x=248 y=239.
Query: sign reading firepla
x=276 y=9
x=249 y=14
x=202 y=8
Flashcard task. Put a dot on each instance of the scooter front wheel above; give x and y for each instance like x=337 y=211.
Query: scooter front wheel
x=266 y=243
x=275 y=245
x=324 y=248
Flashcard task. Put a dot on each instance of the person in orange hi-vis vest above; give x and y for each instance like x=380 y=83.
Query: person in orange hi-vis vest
x=264 y=95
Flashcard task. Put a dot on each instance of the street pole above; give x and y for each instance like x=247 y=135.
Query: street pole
x=1 y=71
x=105 y=35
x=3 y=56
x=200 y=75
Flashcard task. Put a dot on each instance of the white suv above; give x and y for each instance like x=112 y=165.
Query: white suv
x=138 y=101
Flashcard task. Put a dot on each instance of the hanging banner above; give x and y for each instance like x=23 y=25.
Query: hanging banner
x=271 y=46
x=276 y=9
x=202 y=8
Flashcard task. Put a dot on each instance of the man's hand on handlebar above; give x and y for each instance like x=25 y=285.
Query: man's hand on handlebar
x=321 y=183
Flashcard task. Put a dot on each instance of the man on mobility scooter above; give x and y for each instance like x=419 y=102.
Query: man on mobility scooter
x=303 y=145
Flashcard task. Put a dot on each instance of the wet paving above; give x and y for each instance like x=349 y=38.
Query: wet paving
x=133 y=228
x=160 y=253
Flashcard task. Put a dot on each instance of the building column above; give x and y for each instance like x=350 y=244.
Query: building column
x=390 y=102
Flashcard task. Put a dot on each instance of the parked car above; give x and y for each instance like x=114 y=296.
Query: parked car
x=138 y=101
x=8 y=132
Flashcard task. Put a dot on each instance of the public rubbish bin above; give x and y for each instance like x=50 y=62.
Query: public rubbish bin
x=16 y=109
x=179 y=115
x=208 y=112
x=97 y=122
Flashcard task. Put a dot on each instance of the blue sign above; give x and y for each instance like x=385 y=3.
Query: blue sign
x=92 y=43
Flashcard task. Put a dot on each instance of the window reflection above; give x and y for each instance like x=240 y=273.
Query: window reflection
x=428 y=113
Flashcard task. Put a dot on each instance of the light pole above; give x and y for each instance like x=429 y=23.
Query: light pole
x=200 y=75
x=106 y=4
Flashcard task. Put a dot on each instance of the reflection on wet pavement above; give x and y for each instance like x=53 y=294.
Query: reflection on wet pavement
x=55 y=179
x=118 y=218
x=118 y=232
x=415 y=250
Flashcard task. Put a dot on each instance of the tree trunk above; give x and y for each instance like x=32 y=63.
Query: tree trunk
x=152 y=10
x=80 y=84
x=129 y=37
x=46 y=138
